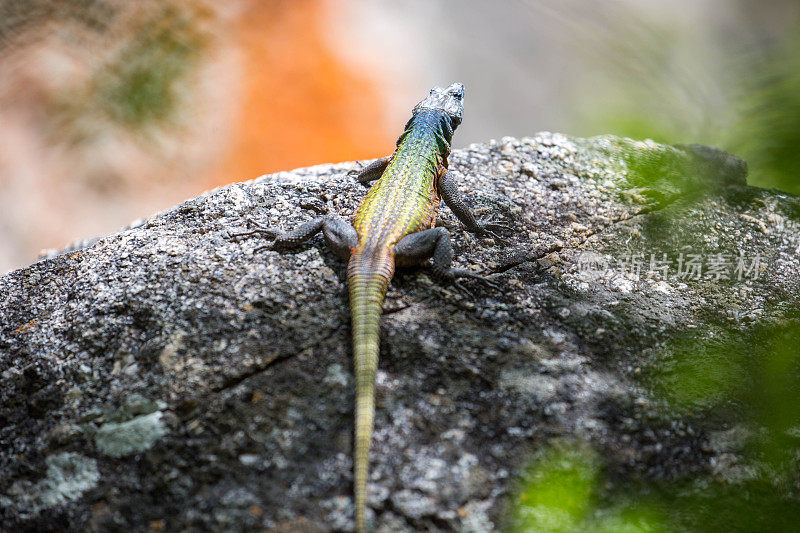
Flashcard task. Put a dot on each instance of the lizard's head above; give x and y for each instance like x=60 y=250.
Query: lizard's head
x=450 y=100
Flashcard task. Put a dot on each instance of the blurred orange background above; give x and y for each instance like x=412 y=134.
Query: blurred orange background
x=123 y=109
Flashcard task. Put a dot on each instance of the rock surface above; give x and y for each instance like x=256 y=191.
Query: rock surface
x=169 y=378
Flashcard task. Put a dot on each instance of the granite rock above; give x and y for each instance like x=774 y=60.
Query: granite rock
x=179 y=379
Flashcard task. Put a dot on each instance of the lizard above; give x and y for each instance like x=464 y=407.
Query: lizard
x=395 y=225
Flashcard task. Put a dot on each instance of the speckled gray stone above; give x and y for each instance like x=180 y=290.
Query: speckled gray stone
x=243 y=357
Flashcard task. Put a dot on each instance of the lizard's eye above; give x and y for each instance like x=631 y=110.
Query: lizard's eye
x=457 y=90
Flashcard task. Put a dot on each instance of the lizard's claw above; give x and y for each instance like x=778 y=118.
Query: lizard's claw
x=267 y=230
x=455 y=274
x=260 y=229
x=501 y=240
x=355 y=171
x=493 y=223
x=491 y=228
x=461 y=288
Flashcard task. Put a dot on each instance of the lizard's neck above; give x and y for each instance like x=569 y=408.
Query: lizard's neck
x=429 y=125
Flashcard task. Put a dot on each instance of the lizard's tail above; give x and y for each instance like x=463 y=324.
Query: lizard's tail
x=367 y=292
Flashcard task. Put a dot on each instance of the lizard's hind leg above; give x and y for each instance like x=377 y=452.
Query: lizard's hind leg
x=434 y=243
x=340 y=236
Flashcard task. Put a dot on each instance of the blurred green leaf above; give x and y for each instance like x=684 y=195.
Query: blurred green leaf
x=767 y=132
x=557 y=490
x=140 y=84
x=559 y=494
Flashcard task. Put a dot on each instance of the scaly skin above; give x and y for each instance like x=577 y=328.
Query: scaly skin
x=393 y=225
x=403 y=201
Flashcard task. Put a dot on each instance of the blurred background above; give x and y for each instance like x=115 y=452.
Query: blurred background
x=113 y=110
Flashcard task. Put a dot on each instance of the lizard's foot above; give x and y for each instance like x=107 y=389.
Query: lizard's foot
x=462 y=289
x=454 y=277
x=357 y=170
x=468 y=274
x=259 y=230
x=491 y=228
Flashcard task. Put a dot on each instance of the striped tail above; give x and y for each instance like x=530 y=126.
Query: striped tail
x=367 y=291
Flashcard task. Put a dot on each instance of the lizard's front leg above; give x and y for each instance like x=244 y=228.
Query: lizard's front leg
x=446 y=186
x=339 y=234
x=372 y=171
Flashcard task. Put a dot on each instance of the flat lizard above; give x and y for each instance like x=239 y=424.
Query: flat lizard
x=394 y=226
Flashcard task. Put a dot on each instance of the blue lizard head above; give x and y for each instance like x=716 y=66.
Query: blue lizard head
x=450 y=100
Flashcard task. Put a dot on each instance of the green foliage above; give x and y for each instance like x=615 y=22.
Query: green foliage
x=767 y=133
x=662 y=173
x=140 y=87
x=700 y=370
x=661 y=85
x=756 y=370
x=140 y=84
x=559 y=494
